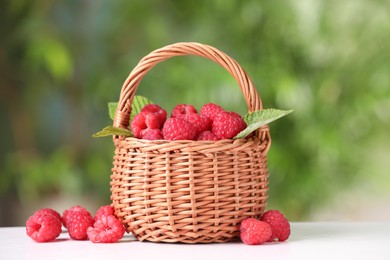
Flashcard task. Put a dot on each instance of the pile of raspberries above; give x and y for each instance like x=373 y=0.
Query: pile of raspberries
x=46 y=225
x=185 y=123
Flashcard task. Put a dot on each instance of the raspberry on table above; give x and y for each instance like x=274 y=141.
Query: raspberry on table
x=178 y=129
x=66 y=213
x=158 y=111
x=254 y=231
x=202 y=123
x=207 y=136
x=50 y=212
x=226 y=125
x=106 y=229
x=105 y=210
x=211 y=110
x=183 y=109
x=151 y=134
x=279 y=224
x=43 y=227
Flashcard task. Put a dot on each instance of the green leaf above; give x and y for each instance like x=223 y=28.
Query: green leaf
x=257 y=119
x=138 y=103
x=112 y=109
x=111 y=130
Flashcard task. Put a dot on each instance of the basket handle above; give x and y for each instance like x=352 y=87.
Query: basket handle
x=130 y=85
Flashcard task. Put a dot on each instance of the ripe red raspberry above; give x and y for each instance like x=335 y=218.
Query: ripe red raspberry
x=279 y=224
x=158 y=111
x=78 y=219
x=144 y=121
x=151 y=134
x=105 y=210
x=226 y=125
x=183 y=109
x=211 y=110
x=254 y=231
x=43 y=227
x=202 y=123
x=179 y=129
x=66 y=213
x=106 y=229
x=207 y=136
x=50 y=212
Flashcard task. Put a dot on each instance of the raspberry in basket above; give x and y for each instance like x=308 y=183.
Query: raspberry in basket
x=43 y=227
x=106 y=229
x=144 y=121
x=151 y=134
x=279 y=224
x=202 y=123
x=178 y=129
x=254 y=231
x=211 y=110
x=207 y=136
x=183 y=109
x=158 y=111
x=226 y=125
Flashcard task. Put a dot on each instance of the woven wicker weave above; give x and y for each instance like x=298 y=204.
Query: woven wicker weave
x=188 y=191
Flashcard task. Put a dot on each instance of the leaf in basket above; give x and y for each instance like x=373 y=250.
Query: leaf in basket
x=112 y=130
x=112 y=109
x=138 y=103
x=259 y=118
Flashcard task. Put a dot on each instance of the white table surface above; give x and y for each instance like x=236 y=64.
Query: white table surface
x=319 y=240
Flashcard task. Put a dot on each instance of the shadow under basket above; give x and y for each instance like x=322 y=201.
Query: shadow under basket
x=188 y=191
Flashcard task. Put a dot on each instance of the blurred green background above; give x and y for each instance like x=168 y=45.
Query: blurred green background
x=62 y=61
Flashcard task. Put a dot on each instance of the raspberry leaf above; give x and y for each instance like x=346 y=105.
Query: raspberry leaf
x=138 y=103
x=112 y=109
x=257 y=119
x=111 y=130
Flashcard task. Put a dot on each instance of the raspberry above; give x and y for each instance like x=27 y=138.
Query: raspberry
x=105 y=210
x=43 y=227
x=78 y=220
x=151 y=134
x=207 y=135
x=50 y=212
x=202 y=123
x=106 y=229
x=183 y=109
x=226 y=125
x=279 y=224
x=254 y=232
x=178 y=129
x=159 y=112
x=211 y=110
x=66 y=214
x=144 y=121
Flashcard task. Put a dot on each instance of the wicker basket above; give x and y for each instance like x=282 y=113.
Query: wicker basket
x=188 y=191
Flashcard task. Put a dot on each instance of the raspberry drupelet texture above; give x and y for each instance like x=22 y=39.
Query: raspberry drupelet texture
x=202 y=123
x=151 y=134
x=66 y=213
x=226 y=125
x=179 y=129
x=183 y=109
x=50 y=212
x=144 y=121
x=105 y=210
x=156 y=110
x=106 y=229
x=211 y=110
x=78 y=219
x=207 y=136
x=43 y=227
x=279 y=224
x=254 y=231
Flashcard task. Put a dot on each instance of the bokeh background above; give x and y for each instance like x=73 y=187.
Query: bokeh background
x=62 y=61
